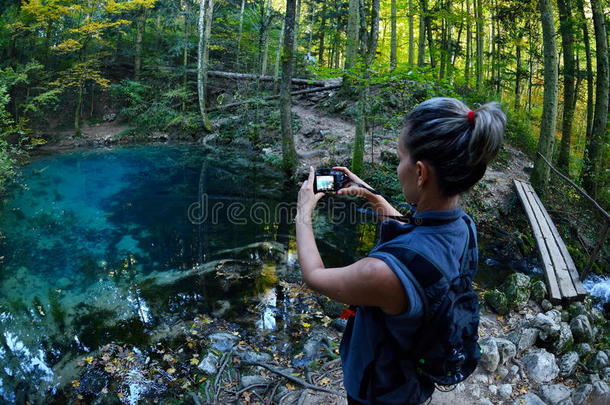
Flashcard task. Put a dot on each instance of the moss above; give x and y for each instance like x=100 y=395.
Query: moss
x=497 y=301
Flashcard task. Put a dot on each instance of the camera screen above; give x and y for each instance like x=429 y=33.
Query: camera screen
x=325 y=183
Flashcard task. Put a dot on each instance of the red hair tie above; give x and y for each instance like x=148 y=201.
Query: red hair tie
x=470 y=116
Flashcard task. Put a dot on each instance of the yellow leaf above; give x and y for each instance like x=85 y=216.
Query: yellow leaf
x=306 y=325
x=89 y=359
x=75 y=383
x=290 y=386
x=325 y=381
x=171 y=370
x=194 y=361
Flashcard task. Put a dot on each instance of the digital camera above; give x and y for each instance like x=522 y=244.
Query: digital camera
x=328 y=180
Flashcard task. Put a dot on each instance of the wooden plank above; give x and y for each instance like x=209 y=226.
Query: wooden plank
x=549 y=275
x=561 y=269
x=580 y=290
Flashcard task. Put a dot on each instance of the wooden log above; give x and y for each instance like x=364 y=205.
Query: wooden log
x=294 y=93
x=551 y=281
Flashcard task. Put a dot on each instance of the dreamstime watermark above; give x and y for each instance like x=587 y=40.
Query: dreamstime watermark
x=259 y=212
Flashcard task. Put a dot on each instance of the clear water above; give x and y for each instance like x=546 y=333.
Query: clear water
x=97 y=246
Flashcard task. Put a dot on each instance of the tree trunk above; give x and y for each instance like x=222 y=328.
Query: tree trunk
x=593 y=151
x=480 y=44
x=431 y=48
x=374 y=33
x=358 y=146
x=289 y=154
x=78 y=110
x=530 y=76
x=518 y=76
x=265 y=44
x=241 y=28
x=297 y=22
x=421 y=46
x=540 y=176
x=141 y=20
x=411 y=32
x=567 y=40
x=353 y=28
x=277 y=58
x=187 y=8
x=205 y=27
x=393 y=41
x=322 y=34
x=468 y=44
x=585 y=35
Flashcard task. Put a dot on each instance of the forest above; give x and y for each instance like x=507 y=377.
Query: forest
x=66 y=62
x=115 y=115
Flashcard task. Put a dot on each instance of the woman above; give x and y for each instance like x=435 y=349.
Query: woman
x=444 y=149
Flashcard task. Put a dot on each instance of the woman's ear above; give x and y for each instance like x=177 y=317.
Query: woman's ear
x=423 y=173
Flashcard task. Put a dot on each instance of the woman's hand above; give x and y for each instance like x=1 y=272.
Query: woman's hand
x=353 y=188
x=307 y=200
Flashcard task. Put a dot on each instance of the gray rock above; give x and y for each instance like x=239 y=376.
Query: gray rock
x=593 y=378
x=528 y=399
x=506 y=349
x=568 y=363
x=565 y=316
x=209 y=364
x=493 y=389
x=252 y=356
x=565 y=339
x=490 y=357
x=555 y=315
x=485 y=401
x=524 y=339
x=576 y=308
x=517 y=290
x=600 y=361
x=549 y=328
x=546 y=305
x=248 y=380
x=601 y=393
x=538 y=291
x=223 y=341
x=584 y=349
x=501 y=372
x=555 y=393
x=581 y=329
x=540 y=365
x=596 y=316
x=606 y=374
x=505 y=391
x=581 y=394
x=497 y=301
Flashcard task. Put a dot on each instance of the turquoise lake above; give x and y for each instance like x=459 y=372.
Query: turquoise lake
x=99 y=245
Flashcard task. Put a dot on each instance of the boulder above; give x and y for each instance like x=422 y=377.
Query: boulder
x=567 y=364
x=600 y=361
x=538 y=291
x=490 y=357
x=581 y=329
x=540 y=365
x=528 y=399
x=517 y=290
x=565 y=340
x=524 y=338
x=600 y=394
x=209 y=364
x=549 y=327
x=505 y=391
x=554 y=394
x=576 y=308
x=546 y=305
x=497 y=301
x=506 y=349
x=584 y=349
x=581 y=394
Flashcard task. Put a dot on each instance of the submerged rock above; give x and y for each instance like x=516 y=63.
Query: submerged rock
x=209 y=364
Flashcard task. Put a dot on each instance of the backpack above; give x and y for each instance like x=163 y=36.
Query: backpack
x=446 y=351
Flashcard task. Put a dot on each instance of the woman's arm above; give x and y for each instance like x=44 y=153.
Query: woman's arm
x=368 y=281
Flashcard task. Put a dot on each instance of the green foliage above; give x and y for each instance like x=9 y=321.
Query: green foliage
x=521 y=133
